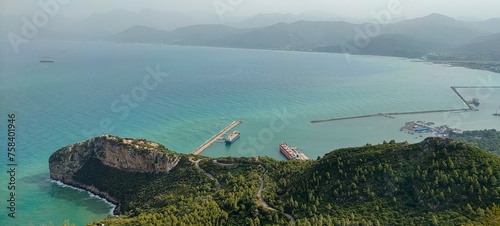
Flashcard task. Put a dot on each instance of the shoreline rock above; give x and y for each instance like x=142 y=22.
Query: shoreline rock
x=124 y=154
x=94 y=191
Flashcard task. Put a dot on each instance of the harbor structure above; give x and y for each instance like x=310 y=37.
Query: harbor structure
x=471 y=106
x=216 y=137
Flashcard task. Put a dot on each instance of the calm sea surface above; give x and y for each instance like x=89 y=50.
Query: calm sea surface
x=181 y=96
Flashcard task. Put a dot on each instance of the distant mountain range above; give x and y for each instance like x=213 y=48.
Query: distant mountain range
x=435 y=36
x=409 y=38
x=99 y=25
x=267 y=19
x=488 y=44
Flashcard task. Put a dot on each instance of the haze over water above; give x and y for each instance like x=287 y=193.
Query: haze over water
x=68 y=101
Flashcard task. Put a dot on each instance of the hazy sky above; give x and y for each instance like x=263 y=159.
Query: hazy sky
x=481 y=9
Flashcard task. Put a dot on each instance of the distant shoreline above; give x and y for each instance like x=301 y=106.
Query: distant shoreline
x=475 y=65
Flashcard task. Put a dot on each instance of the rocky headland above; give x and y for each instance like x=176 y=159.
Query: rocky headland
x=122 y=154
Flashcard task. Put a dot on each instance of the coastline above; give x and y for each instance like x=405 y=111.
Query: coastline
x=94 y=193
x=342 y=138
x=474 y=65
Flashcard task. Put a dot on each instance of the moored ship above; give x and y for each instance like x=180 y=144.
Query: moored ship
x=291 y=153
x=232 y=137
x=46 y=60
x=475 y=101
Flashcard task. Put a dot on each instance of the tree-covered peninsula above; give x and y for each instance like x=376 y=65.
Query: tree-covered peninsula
x=435 y=182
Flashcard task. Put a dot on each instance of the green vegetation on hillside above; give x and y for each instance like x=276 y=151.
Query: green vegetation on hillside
x=396 y=184
x=436 y=182
x=488 y=140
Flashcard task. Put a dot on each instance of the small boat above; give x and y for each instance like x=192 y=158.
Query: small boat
x=46 y=60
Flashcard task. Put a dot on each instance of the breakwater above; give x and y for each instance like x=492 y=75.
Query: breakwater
x=470 y=107
x=389 y=115
x=216 y=137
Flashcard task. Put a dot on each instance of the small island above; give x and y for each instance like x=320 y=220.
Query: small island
x=439 y=181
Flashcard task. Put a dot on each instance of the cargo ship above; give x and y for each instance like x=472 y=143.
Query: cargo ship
x=46 y=60
x=232 y=137
x=291 y=153
x=475 y=101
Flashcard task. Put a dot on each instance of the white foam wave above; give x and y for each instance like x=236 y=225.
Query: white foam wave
x=92 y=195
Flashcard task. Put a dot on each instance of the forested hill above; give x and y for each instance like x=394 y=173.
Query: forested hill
x=435 y=182
x=488 y=140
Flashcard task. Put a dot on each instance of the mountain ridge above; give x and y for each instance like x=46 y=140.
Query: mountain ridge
x=414 y=38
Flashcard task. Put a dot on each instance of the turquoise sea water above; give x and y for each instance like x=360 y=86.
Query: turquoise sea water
x=275 y=93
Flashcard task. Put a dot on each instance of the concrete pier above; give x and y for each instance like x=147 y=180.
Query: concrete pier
x=216 y=137
x=469 y=104
x=454 y=88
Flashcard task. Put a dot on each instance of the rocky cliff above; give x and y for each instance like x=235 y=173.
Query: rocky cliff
x=123 y=154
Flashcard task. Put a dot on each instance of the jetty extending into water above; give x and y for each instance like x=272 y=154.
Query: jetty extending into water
x=390 y=115
x=454 y=88
x=472 y=103
x=216 y=137
x=469 y=104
